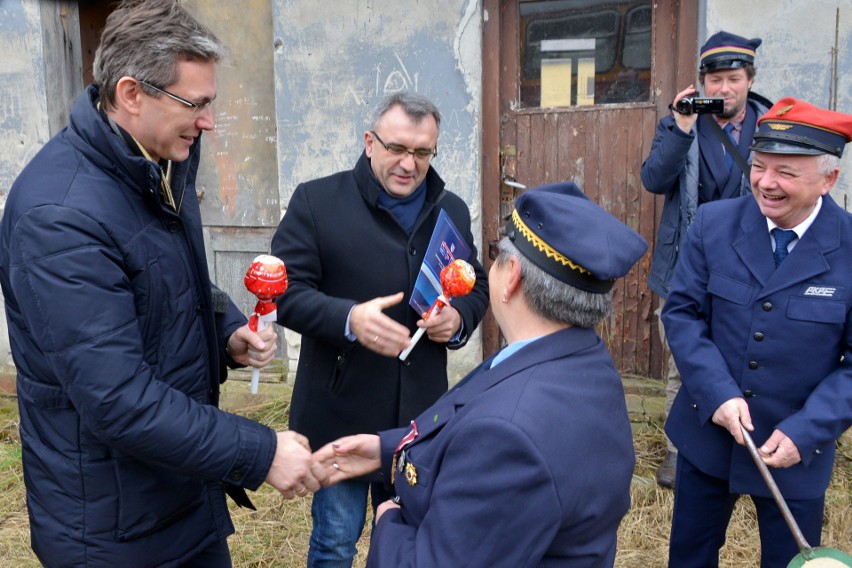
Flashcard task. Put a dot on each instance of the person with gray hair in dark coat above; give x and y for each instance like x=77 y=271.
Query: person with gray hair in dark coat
x=354 y=243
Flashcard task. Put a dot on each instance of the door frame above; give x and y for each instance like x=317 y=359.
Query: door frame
x=676 y=19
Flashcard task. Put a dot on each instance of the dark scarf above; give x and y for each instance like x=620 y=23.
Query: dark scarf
x=405 y=209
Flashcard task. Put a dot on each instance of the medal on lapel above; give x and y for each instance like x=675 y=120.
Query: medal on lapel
x=410 y=474
x=400 y=460
x=398 y=465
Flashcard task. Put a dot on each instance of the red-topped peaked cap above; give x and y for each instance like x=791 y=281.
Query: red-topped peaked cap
x=793 y=126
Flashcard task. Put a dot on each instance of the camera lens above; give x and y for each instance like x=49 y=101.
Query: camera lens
x=684 y=105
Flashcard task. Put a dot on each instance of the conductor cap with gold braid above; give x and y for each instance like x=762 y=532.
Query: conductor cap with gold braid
x=572 y=239
x=724 y=50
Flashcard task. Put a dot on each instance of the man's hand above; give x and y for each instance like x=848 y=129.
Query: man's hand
x=731 y=414
x=348 y=457
x=685 y=121
x=253 y=349
x=779 y=451
x=291 y=472
x=441 y=327
x=376 y=331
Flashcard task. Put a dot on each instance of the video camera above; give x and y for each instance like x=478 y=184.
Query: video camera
x=700 y=105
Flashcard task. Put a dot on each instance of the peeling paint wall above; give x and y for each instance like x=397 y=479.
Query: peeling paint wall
x=795 y=57
x=296 y=96
x=23 y=108
x=239 y=174
x=332 y=65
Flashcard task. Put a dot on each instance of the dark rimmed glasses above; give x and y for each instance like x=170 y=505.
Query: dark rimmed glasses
x=399 y=149
x=196 y=107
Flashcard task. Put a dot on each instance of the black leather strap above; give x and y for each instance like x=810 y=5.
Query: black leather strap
x=729 y=145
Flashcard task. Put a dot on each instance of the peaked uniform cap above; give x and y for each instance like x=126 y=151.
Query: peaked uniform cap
x=793 y=126
x=725 y=50
x=571 y=238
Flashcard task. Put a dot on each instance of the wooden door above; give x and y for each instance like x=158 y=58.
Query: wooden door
x=618 y=64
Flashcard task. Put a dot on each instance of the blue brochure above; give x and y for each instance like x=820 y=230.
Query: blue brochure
x=445 y=246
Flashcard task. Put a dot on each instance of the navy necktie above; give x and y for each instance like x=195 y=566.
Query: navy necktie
x=782 y=239
x=729 y=130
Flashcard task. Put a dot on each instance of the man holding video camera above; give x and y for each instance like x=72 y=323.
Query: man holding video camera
x=700 y=154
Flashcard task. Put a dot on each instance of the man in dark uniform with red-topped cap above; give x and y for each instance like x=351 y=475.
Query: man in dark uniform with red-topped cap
x=689 y=165
x=759 y=319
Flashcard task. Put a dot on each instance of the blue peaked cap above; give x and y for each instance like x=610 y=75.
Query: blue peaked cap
x=560 y=230
x=724 y=50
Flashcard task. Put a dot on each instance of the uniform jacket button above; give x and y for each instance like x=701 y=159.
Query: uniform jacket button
x=758 y=336
x=748 y=393
x=767 y=306
x=753 y=365
x=235 y=475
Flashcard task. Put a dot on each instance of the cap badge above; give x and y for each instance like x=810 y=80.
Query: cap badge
x=777 y=126
x=784 y=110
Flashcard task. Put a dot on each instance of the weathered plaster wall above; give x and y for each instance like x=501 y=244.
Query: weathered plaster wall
x=795 y=57
x=332 y=65
x=23 y=107
x=296 y=96
x=239 y=174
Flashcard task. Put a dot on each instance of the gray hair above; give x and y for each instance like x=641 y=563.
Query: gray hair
x=553 y=299
x=827 y=163
x=146 y=39
x=415 y=105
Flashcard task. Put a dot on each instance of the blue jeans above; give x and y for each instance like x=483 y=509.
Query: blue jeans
x=339 y=513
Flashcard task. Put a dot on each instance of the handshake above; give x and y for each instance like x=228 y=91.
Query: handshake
x=295 y=471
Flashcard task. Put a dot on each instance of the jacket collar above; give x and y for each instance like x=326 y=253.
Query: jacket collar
x=754 y=247
x=92 y=135
x=550 y=347
x=370 y=188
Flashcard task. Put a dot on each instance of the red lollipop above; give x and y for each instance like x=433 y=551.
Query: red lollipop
x=457 y=279
x=266 y=278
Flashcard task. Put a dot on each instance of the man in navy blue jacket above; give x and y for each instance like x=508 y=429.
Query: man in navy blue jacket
x=118 y=343
x=759 y=319
x=689 y=165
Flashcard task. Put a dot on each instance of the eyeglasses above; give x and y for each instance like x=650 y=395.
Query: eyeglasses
x=196 y=107
x=399 y=149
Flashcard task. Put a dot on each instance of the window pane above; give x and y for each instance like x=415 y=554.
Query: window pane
x=581 y=52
